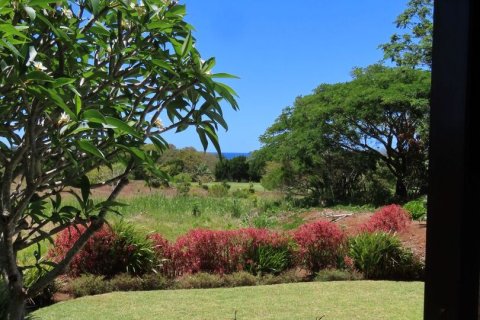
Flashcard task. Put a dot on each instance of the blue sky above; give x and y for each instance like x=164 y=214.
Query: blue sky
x=281 y=50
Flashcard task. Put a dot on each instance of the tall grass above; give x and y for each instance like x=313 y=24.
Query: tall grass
x=175 y=216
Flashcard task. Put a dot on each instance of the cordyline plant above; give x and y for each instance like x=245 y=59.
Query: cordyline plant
x=85 y=83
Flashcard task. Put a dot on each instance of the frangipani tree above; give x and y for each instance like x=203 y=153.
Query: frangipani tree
x=85 y=83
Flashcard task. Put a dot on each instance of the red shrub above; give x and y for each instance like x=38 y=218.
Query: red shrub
x=202 y=250
x=320 y=245
x=95 y=257
x=392 y=218
x=208 y=251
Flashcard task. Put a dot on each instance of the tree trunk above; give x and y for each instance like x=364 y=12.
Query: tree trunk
x=16 y=305
x=401 y=191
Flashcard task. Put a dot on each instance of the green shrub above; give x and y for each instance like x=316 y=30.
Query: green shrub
x=417 y=208
x=338 y=275
x=88 y=285
x=289 y=276
x=155 y=281
x=240 y=279
x=201 y=280
x=380 y=255
x=125 y=282
x=241 y=193
x=271 y=259
x=141 y=258
x=218 y=190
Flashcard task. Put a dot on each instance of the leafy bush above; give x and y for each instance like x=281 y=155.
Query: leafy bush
x=417 y=208
x=320 y=245
x=218 y=190
x=392 y=218
x=95 y=257
x=88 y=285
x=240 y=279
x=242 y=193
x=338 y=275
x=201 y=280
x=380 y=255
x=223 y=252
x=107 y=252
x=289 y=276
x=265 y=251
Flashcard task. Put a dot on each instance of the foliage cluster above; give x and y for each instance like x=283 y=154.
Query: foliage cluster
x=417 y=208
x=380 y=255
x=239 y=169
x=108 y=252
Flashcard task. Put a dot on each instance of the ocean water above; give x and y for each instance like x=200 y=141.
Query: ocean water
x=230 y=155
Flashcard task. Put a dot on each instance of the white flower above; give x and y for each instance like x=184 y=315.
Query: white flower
x=67 y=13
x=64 y=118
x=39 y=66
x=158 y=123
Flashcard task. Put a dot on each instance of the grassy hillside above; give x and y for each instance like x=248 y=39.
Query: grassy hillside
x=316 y=300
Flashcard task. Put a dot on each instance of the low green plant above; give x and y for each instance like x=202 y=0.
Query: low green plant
x=288 y=276
x=272 y=259
x=88 y=285
x=338 y=275
x=381 y=255
x=200 y=280
x=242 y=193
x=240 y=279
x=140 y=258
x=218 y=190
x=417 y=208
x=236 y=209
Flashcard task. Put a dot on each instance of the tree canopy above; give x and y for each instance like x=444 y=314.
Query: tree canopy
x=83 y=84
x=341 y=131
x=413 y=46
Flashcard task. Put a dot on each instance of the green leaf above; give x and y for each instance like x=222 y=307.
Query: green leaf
x=10 y=30
x=187 y=45
x=31 y=12
x=95 y=6
x=117 y=123
x=78 y=104
x=39 y=76
x=88 y=147
x=224 y=75
x=203 y=138
x=159 y=142
x=85 y=188
x=93 y=115
x=12 y=48
x=59 y=101
x=60 y=82
x=164 y=65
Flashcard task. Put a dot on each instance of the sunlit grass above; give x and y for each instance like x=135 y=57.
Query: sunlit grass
x=326 y=300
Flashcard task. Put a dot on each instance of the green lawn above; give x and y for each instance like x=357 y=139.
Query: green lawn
x=314 y=300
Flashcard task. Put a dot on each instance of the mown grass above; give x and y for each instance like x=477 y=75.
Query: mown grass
x=325 y=300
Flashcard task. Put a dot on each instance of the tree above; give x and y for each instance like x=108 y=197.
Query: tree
x=83 y=84
x=341 y=131
x=412 y=48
